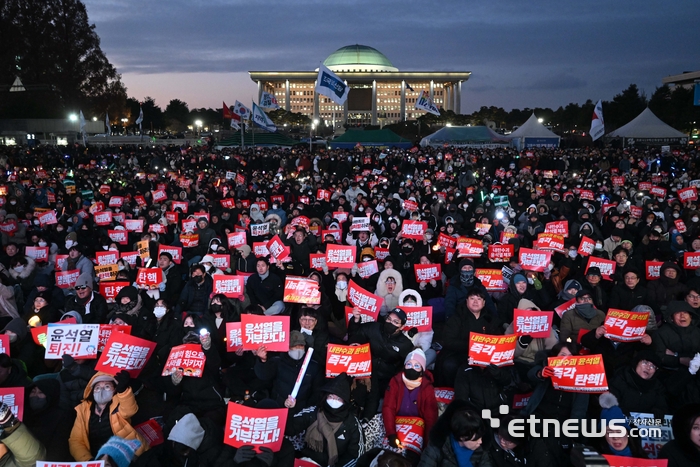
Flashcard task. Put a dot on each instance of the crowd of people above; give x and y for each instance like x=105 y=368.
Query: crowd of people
x=627 y=202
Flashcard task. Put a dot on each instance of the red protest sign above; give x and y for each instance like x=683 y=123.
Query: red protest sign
x=5 y=344
x=67 y=279
x=446 y=241
x=381 y=253
x=116 y=201
x=48 y=218
x=301 y=290
x=104 y=258
x=106 y=330
x=172 y=218
x=118 y=236
x=566 y=306
x=413 y=229
x=189 y=240
x=337 y=234
x=340 y=256
x=364 y=300
x=256 y=427
x=534 y=260
x=110 y=290
x=183 y=205
x=187 y=357
x=624 y=461
x=427 y=272
x=151 y=431
x=234 y=337
x=159 y=195
x=444 y=395
x=175 y=252
x=579 y=373
x=14 y=399
x=317 y=261
x=277 y=248
x=37 y=253
x=520 y=400
x=9 y=227
x=501 y=253
x=606 y=266
x=230 y=286
x=537 y=324
x=222 y=261
x=636 y=212
x=492 y=279
x=270 y=331
x=680 y=226
x=189 y=225
x=149 y=276
x=260 y=249
x=236 y=239
x=470 y=247
x=688 y=194
x=323 y=195
x=653 y=269
x=355 y=360
x=485 y=349
x=557 y=228
x=625 y=326
x=549 y=241
x=586 y=247
x=134 y=225
x=691 y=260
x=419 y=317
x=410 y=431
x=103 y=218
x=125 y=352
x=659 y=192
x=587 y=194
x=367 y=268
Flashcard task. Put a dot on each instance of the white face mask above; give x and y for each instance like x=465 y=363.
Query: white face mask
x=103 y=396
x=105 y=247
x=19 y=268
x=159 y=311
x=334 y=403
x=69 y=243
x=572 y=253
x=598 y=246
x=530 y=280
x=42 y=244
x=306 y=331
x=695 y=219
x=296 y=354
x=342 y=285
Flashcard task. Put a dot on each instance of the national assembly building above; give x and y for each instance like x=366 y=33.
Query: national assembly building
x=379 y=92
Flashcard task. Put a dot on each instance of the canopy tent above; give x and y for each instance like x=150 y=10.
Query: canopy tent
x=532 y=134
x=465 y=136
x=260 y=139
x=647 y=128
x=375 y=138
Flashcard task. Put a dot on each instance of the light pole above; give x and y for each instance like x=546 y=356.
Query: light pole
x=124 y=122
x=313 y=126
x=199 y=127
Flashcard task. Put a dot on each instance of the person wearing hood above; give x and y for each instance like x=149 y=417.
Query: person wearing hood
x=410 y=394
x=49 y=423
x=243 y=260
x=18 y=447
x=43 y=283
x=280 y=370
x=389 y=288
x=638 y=387
x=195 y=295
x=77 y=260
x=208 y=263
x=369 y=282
x=458 y=439
x=593 y=281
x=667 y=288
x=265 y=288
x=106 y=410
x=678 y=340
x=684 y=449
x=628 y=293
x=91 y=306
x=206 y=235
x=613 y=241
x=275 y=209
x=173 y=277
x=42 y=311
x=527 y=346
x=461 y=285
x=532 y=228
x=518 y=289
x=22 y=272
x=333 y=434
x=12 y=372
x=118 y=452
x=583 y=316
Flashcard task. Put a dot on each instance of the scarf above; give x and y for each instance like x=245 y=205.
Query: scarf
x=341 y=294
x=627 y=452
x=411 y=385
x=463 y=456
x=586 y=310
x=323 y=429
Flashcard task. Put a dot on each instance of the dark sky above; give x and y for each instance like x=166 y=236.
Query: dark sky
x=521 y=53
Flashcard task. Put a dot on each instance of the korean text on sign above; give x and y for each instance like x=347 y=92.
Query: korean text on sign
x=256 y=427
x=270 y=331
x=301 y=290
x=584 y=373
x=234 y=337
x=625 y=326
x=485 y=349
x=189 y=358
x=419 y=317
x=340 y=256
x=410 y=431
x=537 y=324
x=80 y=341
x=125 y=352
x=355 y=360
x=364 y=300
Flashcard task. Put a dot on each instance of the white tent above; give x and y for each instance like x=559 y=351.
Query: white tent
x=647 y=128
x=533 y=134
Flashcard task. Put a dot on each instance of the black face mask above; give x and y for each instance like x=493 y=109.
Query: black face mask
x=198 y=279
x=389 y=328
x=38 y=403
x=412 y=374
x=216 y=308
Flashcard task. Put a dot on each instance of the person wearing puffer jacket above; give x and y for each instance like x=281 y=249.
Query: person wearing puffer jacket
x=668 y=287
x=389 y=287
x=526 y=347
x=684 y=449
x=424 y=339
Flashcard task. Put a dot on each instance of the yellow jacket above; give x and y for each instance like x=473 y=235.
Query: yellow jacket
x=121 y=409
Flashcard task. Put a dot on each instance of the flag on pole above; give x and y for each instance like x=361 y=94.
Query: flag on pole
x=234 y=117
x=597 y=123
x=140 y=119
x=424 y=102
x=227 y=112
x=261 y=119
x=82 y=123
x=109 y=127
x=242 y=110
x=331 y=86
x=268 y=101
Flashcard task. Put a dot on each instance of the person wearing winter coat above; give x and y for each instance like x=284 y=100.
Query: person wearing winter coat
x=527 y=347
x=173 y=278
x=684 y=449
x=43 y=283
x=506 y=450
x=334 y=436
x=91 y=306
x=583 y=316
x=18 y=446
x=461 y=285
x=420 y=339
x=410 y=394
x=678 y=340
x=459 y=438
x=22 y=272
x=266 y=289
x=106 y=410
x=624 y=446
x=483 y=387
x=629 y=293
x=195 y=295
x=518 y=289
x=667 y=288
x=50 y=424
x=389 y=288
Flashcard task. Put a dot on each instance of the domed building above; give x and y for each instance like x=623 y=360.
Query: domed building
x=379 y=92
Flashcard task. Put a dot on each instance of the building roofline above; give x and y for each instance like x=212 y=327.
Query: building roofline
x=360 y=76
x=691 y=75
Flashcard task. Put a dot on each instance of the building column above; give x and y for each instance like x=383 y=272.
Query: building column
x=458 y=98
x=260 y=91
x=447 y=96
x=287 y=105
x=432 y=89
x=316 y=104
x=374 y=102
x=345 y=110
x=403 y=100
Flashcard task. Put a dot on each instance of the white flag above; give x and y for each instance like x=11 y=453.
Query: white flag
x=242 y=110
x=109 y=127
x=329 y=85
x=424 y=102
x=261 y=119
x=235 y=125
x=140 y=119
x=82 y=122
x=268 y=101
x=597 y=123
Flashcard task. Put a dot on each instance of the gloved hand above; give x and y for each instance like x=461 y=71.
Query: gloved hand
x=547 y=372
x=694 y=364
x=524 y=341
x=8 y=421
x=394 y=441
x=244 y=454
x=412 y=332
x=493 y=370
x=266 y=455
x=206 y=341
x=68 y=361
x=176 y=377
x=123 y=379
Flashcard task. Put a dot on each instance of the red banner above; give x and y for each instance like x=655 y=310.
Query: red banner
x=106 y=330
x=103 y=218
x=557 y=228
x=492 y=279
x=189 y=225
x=688 y=194
x=446 y=241
x=534 y=260
x=175 y=251
x=653 y=269
x=444 y=395
x=680 y=225
x=658 y=191
x=691 y=260
x=189 y=240
x=410 y=431
x=537 y=324
x=413 y=229
x=485 y=349
x=104 y=258
x=5 y=344
x=579 y=373
x=118 y=236
x=14 y=399
x=625 y=326
x=256 y=427
x=149 y=276
x=367 y=302
x=236 y=239
x=260 y=249
x=301 y=290
x=277 y=248
x=636 y=212
x=270 y=331
x=67 y=279
x=501 y=253
x=355 y=360
x=317 y=261
x=159 y=195
x=367 y=269
x=125 y=352
x=427 y=272
x=381 y=253
x=340 y=256
x=234 y=337
x=323 y=195
x=231 y=286
x=624 y=461
x=606 y=266
x=470 y=247
x=134 y=225
x=564 y=307
x=586 y=247
x=419 y=317
x=37 y=253
x=221 y=261
x=110 y=290
x=187 y=357
x=550 y=241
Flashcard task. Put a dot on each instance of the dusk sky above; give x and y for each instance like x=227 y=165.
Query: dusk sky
x=521 y=54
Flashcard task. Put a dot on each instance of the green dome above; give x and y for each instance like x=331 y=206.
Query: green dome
x=358 y=58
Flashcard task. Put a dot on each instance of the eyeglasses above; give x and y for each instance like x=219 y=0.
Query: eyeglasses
x=694 y=297
x=415 y=366
x=648 y=365
x=307 y=319
x=81 y=287
x=395 y=322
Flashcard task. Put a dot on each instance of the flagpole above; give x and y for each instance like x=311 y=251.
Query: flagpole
x=242 y=131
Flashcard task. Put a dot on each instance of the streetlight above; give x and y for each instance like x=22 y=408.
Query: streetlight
x=540 y=120
x=124 y=122
x=94 y=119
x=313 y=125
x=198 y=123
x=73 y=117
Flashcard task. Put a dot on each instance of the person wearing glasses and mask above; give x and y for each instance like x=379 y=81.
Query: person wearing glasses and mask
x=583 y=316
x=637 y=387
x=91 y=306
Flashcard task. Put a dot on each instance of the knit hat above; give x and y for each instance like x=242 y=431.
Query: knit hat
x=340 y=386
x=296 y=338
x=367 y=251
x=465 y=262
x=572 y=284
x=519 y=278
x=188 y=431
x=73 y=314
x=84 y=280
x=417 y=355
x=611 y=409
x=102 y=377
x=72 y=236
x=120 y=450
x=129 y=291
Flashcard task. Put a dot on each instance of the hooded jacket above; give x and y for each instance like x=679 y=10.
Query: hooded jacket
x=391 y=301
x=388 y=351
x=663 y=290
x=572 y=322
x=50 y=425
x=636 y=394
x=685 y=341
x=426 y=402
